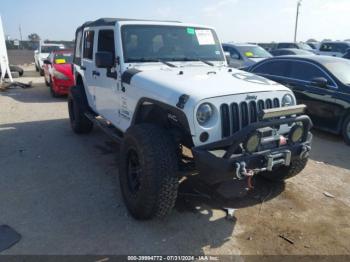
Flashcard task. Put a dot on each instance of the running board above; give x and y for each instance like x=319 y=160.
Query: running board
x=109 y=129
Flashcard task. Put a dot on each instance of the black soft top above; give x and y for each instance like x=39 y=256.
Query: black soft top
x=113 y=21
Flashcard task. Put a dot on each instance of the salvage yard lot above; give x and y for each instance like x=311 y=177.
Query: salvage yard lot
x=61 y=192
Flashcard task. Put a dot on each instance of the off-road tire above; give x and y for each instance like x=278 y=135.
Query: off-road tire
x=345 y=131
x=77 y=108
x=158 y=180
x=286 y=172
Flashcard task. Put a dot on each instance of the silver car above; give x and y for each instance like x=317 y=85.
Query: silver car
x=244 y=55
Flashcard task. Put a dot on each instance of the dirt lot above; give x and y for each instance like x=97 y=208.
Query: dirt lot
x=61 y=192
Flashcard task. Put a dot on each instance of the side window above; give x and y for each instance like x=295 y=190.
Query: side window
x=306 y=71
x=340 y=48
x=274 y=68
x=234 y=54
x=77 y=52
x=106 y=41
x=88 y=44
x=326 y=48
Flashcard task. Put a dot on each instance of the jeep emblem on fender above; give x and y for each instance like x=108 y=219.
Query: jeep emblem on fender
x=249 y=97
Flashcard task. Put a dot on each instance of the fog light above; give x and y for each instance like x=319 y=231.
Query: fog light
x=252 y=144
x=296 y=134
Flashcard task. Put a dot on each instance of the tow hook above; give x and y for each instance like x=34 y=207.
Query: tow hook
x=305 y=152
x=242 y=173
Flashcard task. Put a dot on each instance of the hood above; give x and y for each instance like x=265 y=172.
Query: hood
x=65 y=69
x=201 y=82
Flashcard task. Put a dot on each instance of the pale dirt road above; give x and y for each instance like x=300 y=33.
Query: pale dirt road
x=61 y=192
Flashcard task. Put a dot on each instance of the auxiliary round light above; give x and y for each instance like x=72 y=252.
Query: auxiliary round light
x=252 y=144
x=296 y=134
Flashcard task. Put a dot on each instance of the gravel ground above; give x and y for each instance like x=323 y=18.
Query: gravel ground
x=60 y=192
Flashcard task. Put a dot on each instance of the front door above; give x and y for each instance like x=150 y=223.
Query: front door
x=107 y=87
x=320 y=101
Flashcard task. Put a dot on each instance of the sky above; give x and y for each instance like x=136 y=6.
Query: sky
x=234 y=20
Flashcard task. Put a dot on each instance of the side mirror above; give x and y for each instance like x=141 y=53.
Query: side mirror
x=104 y=60
x=47 y=62
x=320 y=82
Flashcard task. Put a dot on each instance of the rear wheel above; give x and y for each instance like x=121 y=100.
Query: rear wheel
x=346 y=130
x=285 y=172
x=79 y=122
x=41 y=72
x=148 y=171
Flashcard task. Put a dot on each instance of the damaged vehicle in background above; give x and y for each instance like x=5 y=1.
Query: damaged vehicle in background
x=58 y=72
x=162 y=89
x=244 y=55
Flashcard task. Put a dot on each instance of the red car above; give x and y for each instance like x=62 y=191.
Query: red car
x=58 y=72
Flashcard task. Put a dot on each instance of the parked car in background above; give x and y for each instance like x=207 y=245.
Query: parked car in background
x=58 y=72
x=244 y=55
x=337 y=49
x=42 y=53
x=347 y=55
x=320 y=82
x=294 y=45
x=314 y=45
x=267 y=46
x=290 y=51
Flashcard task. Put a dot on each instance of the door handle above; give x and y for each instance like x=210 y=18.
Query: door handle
x=95 y=73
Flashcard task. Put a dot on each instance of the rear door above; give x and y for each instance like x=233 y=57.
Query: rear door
x=107 y=93
x=87 y=64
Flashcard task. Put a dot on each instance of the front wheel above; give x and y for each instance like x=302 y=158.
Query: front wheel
x=346 y=130
x=148 y=171
x=285 y=172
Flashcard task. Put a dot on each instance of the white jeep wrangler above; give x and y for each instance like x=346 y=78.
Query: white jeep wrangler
x=163 y=89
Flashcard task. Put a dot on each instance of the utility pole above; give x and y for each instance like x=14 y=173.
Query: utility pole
x=20 y=35
x=297 y=20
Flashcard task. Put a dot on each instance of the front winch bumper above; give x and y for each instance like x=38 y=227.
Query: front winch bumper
x=226 y=160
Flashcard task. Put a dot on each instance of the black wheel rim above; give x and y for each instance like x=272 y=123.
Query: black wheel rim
x=134 y=171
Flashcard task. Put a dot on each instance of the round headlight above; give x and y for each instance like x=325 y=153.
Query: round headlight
x=296 y=134
x=204 y=113
x=288 y=100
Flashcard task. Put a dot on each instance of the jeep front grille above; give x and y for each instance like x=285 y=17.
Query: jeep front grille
x=236 y=116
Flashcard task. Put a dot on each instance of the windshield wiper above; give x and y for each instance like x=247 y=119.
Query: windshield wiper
x=149 y=60
x=166 y=63
x=196 y=60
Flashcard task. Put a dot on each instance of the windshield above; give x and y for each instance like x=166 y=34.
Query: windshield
x=63 y=58
x=152 y=43
x=254 y=52
x=340 y=68
x=49 y=49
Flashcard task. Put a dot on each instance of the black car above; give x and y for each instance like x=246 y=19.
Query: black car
x=290 y=51
x=320 y=82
